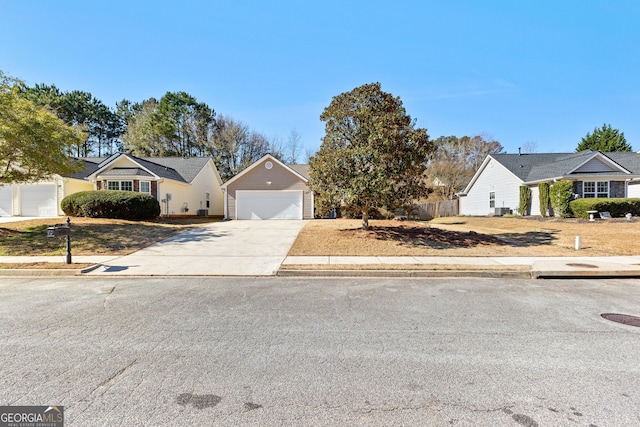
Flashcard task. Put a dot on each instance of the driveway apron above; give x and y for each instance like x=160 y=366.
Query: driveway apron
x=230 y=248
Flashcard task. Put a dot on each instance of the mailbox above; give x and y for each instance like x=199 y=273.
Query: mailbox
x=58 y=230
x=62 y=230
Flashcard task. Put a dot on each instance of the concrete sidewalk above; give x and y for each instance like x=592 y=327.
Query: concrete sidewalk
x=187 y=264
x=539 y=267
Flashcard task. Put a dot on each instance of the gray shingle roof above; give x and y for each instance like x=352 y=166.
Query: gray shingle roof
x=537 y=167
x=89 y=167
x=187 y=168
x=174 y=168
x=301 y=169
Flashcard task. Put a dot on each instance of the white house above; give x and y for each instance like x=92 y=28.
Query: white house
x=183 y=186
x=496 y=184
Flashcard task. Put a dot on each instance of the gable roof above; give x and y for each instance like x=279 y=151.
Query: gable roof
x=546 y=166
x=173 y=168
x=290 y=168
x=89 y=166
x=539 y=167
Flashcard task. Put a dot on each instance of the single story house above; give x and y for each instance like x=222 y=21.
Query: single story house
x=183 y=186
x=495 y=187
x=269 y=189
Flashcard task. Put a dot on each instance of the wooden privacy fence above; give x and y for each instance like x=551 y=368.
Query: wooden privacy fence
x=432 y=210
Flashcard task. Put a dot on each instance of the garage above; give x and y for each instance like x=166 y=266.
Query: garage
x=5 y=201
x=269 y=189
x=269 y=204
x=39 y=200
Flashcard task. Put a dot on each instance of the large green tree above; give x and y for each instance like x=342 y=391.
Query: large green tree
x=34 y=143
x=101 y=126
x=604 y=139
x=176 y=125
x=371 y=156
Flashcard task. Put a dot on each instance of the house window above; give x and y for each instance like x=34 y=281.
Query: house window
x=145 y=187
x=207 y=198
x=492 y=199
x=591 y=189
x=120 y=185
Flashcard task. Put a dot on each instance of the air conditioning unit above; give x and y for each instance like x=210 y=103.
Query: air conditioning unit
x=203 y=212
x=502 y=211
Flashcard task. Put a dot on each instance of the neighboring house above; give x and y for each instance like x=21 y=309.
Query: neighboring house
x=269 y=189
x=188 y=186
x=496 y=185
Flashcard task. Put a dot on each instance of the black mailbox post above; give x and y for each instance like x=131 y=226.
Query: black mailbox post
x=62 y=230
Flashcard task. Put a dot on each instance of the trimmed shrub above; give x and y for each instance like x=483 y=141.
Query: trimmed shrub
x=525 y=200
x=561 y=193
x=543 y=196
x=111 y=204
x=616 y=207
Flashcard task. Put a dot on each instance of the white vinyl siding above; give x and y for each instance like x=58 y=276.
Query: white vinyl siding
x=633 y=189
x=535 y=200
x=595 y=165
x=494 y=178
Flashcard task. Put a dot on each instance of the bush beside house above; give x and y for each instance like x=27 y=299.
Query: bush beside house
x=616 y=207
x=111 y=204
x=561 y=193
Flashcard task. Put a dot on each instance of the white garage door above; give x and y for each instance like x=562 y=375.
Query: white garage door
x=5 y=201
x=268 y=204
x=39 y=200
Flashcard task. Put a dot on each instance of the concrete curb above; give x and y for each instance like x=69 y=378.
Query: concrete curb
x=43 y=272
x=502 y=274
x=46 y=272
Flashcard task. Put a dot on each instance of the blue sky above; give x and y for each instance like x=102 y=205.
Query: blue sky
x=543 y=72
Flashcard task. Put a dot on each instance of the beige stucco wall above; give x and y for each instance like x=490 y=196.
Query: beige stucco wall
x=280 y=179
x=193 y=196
x=67 y=186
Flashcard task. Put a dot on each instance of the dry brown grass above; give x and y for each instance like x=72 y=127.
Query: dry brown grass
x=43 y=266
x=90 y=236
x=469 y=236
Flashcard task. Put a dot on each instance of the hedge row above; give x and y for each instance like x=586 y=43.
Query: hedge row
x=111 y=204
x=616 y=207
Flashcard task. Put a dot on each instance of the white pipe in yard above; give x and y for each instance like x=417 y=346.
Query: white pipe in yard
x=578 y=242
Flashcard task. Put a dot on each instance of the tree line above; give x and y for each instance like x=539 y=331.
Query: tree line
x=372 y=154
x=176 y=125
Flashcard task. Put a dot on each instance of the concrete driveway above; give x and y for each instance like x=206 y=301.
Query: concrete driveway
x=6 y=219
x=230 y=248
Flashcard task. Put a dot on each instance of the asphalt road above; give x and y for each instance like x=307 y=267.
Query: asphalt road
x=274 y=351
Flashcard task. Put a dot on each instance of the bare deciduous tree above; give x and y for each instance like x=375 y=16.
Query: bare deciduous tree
x=456 y=160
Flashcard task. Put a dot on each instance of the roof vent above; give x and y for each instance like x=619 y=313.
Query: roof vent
x=519 y=154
